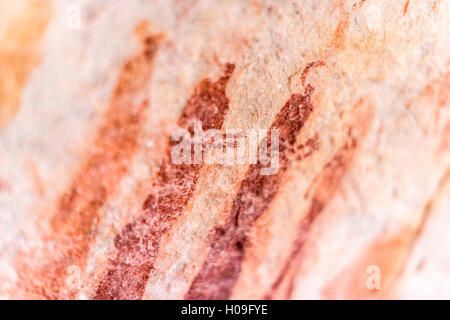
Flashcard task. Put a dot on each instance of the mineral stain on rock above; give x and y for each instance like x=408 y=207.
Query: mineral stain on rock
x=221 y=268
x=138 y=243
x=105 y=165
x=323 y=188
x=19 y=50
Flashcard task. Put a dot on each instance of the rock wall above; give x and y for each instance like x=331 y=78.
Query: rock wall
x=92 y=205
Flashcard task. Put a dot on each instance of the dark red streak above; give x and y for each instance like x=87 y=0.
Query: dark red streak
x=222 y=266
x=138 y=243
x=326 y=185
x=75 y=222
x=323 y=189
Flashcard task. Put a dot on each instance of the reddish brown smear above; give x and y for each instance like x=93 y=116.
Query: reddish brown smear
x=308 y=148
x=358 y=4
x=112 y=149
x=105 y=165
x=221 y=268
x=309 y=67
x=327 y=184
x=405 y=8
x=139 y=242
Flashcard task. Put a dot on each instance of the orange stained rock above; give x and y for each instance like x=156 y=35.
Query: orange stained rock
x=22 y=27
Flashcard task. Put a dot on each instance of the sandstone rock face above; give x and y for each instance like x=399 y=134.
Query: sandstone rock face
x=92 y=205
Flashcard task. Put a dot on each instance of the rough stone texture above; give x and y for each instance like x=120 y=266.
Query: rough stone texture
x=92 y=207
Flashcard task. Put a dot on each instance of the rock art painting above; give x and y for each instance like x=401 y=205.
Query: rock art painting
x=215 y=150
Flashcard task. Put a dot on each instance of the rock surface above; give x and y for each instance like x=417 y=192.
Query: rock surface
x=93 y=207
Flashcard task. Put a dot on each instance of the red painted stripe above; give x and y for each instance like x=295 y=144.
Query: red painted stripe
x=405 y=7
x=328 y=182
x=138 y=243
x=324 y=187
x=222 y=266
x=77 y=213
